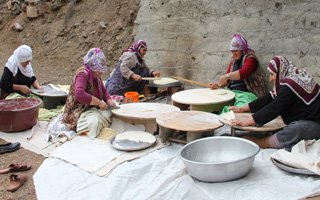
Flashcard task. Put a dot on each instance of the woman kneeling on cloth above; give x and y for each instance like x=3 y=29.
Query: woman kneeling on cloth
x=85 y=110
x=244 y=75
x=129 y=71
x=18 y=74
x=295 y=98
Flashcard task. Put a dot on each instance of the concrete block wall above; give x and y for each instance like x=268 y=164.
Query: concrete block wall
x=191 y=38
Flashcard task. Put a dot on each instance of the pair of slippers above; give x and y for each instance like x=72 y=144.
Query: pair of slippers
x=17 y=179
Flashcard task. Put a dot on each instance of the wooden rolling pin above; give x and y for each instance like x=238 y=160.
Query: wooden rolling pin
x=191 y=81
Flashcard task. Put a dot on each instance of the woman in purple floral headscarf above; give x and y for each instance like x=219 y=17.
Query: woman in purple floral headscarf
x=128 y=72
x=88 y=97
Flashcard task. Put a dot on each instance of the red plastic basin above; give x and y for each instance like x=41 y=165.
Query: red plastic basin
x=18 y=114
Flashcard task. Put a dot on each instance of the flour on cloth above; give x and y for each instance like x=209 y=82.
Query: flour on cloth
x=305 y=155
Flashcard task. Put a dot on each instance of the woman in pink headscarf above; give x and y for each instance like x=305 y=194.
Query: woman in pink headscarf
x=295 y=98
x=129 y=71
x=244 y=76
x=85 y=110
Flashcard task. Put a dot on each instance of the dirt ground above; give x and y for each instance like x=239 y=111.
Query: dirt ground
x=22 y=156
x=60 y=37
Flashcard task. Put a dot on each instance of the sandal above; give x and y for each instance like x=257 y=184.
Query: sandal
x=16 y=181
x=15 y=168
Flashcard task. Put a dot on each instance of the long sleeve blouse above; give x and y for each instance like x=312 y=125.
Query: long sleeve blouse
x=82 y=93
x=286 y=104
x=250 y=65
x=7 y=80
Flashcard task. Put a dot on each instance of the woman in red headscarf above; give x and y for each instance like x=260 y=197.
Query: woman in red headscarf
x=128 y=72
x=295 y=98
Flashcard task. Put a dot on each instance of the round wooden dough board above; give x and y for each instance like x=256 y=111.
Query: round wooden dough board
x=189 y=121
x=203 y=96
x=143 y=110
x=273 y=125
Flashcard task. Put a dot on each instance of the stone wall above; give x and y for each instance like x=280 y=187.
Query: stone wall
x=191 y=38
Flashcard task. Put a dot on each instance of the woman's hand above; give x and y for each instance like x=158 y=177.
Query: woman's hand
x=239 y=109
x=247 y=122
x=103 y=105
x=136 y=77
x=213 y=85
x=223 y=81
x=25 y=89
x=156 y=73
x=111 y=103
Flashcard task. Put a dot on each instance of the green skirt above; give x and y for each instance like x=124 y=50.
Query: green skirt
x=241 y=98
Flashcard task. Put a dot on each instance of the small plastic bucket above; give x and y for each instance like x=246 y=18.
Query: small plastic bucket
x=131 y=97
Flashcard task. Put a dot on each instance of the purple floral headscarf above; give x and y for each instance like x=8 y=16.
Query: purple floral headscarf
x=95 y=60
x=239 y=43
x=137 y=46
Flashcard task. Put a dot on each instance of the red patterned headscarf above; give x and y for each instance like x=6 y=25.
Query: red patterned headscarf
x=298 y=80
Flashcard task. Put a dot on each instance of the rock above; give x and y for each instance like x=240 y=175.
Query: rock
x=102 y=25
x=17 y=27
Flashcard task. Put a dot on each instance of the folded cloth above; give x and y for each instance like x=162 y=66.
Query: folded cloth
x=304 y=155
x=9 y=147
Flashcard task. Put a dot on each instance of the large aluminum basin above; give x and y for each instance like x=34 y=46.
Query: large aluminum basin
x=220 y=158
x=18 y=114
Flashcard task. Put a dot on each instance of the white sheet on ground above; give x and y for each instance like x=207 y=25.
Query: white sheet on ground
x=31 y=139
x=97 y=155
x=161 y=175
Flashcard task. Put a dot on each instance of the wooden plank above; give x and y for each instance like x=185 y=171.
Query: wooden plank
x=191 y=81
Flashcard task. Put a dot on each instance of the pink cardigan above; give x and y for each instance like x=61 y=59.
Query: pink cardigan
x=81 y=92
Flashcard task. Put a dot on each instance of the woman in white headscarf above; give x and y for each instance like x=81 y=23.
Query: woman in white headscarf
x=18 y=75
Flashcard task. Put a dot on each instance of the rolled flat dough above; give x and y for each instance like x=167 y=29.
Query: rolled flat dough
x=136 y=136
x=219 y=92
x=228 y=115
x=165 y=81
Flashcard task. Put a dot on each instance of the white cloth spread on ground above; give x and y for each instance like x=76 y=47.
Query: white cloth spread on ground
x=31 y=139
x=161 y=175
x=96 y=155
x=305 y=155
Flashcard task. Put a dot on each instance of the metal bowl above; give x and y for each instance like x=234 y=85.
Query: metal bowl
x=18 y=114
x=218 y=159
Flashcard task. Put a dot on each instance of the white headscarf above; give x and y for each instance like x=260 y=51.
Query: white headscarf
x=20 y=55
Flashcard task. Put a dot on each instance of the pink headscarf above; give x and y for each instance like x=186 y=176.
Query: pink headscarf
x=137 y=46
x=298 y=80
x=239 y=43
